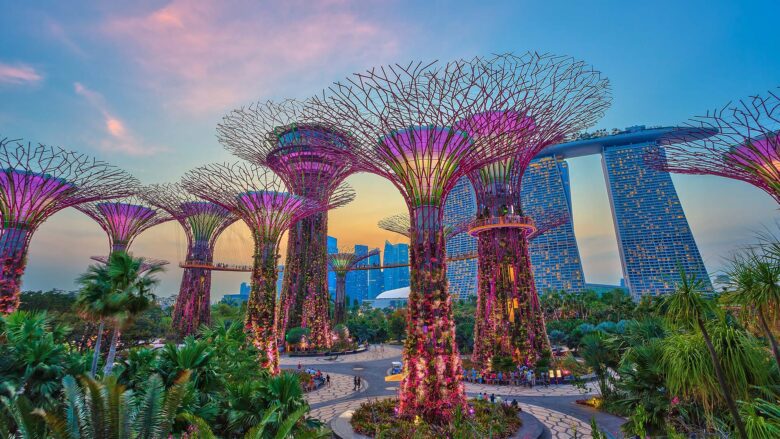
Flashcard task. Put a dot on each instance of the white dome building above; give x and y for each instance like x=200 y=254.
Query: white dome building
x=396 y=298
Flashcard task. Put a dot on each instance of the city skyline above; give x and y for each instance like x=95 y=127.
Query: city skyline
x=144 y=86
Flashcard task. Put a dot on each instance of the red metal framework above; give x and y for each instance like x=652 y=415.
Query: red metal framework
x=740 y=140
x=312 y=159
x=203 y=222
x=36 y=182
x=260 y=199
x=341 y=263
x=405 y=118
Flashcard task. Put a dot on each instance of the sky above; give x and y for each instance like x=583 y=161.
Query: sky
x=143 y=85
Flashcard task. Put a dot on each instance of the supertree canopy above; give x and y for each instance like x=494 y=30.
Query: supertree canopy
x=35 y=183
x=124 y=219
x=400 y=223
x=313 y=160
x=257 y=196
x=405 y=119
x=739 y=141
x=203 y=222
x=570 y=97
x=341 y=263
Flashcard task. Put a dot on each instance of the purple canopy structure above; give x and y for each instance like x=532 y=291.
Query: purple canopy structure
x=400 y=224
x=739 y=141
x=313 y=160
x=203 y=222
x=260 y=199
x=124 y=219
x=342 y=262
x=405 y=118
x=35 y=183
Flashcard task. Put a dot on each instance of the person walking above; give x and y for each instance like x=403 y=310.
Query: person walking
x=492 y=397
x=354 y=383
x=327 y=380
x=360 y=383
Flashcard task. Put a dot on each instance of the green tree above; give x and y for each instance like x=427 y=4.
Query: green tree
x=687 y=307
x=755 y=285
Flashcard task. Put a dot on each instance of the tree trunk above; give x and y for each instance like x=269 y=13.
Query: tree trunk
x=724 y=387
x=260 y=320
x=96 y=354
x=193 y=304
x=769 y=335
x=432 y=386
x=111 y=352
x=340 y=310
x=13 y=260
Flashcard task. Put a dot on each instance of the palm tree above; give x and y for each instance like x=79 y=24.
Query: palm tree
x=105 y=409
x=132 y=281
x=754 y=283
x=97 y=301
x=687 y=307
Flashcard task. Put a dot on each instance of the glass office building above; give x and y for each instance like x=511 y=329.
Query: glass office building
x=357 y=280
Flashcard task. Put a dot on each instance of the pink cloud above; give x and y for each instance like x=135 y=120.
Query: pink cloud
x=118 y=138
x=203 y=55
x=19 y=74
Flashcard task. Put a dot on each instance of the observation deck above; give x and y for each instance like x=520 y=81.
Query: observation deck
x=501 y=222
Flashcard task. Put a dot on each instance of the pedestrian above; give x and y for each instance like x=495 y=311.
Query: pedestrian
x=492 y=397
x=359 y=383
x=533 y=378
x=327 y=380
x=514 y=403
x=354 y=383
x=299 y=365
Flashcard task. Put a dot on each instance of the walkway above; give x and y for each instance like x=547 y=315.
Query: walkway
x=554 y=406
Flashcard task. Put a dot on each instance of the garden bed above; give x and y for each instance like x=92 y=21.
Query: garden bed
x=378 y=419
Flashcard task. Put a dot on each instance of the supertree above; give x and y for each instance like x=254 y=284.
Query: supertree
x=570 y=96
x=124 y=219
x=257 y=196
x=36 y=182
x=203 y=222
x=404 y=118
x=740 y=141
x=342 y=262
x=313 y=160
x=401 y=224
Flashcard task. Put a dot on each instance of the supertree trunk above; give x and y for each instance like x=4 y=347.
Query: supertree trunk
x=261 y=308
x=432 y=387
x=193 y=305
x=13 y=251
x=340 y=312
x=510 y=321
x=305 y=289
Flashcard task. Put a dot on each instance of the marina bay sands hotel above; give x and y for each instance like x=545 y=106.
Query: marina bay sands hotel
x=653 y=235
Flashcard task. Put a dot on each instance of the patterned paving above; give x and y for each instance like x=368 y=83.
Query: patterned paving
x=375 y=352
x=340 y=386
x=553 y=390
x=561 y=426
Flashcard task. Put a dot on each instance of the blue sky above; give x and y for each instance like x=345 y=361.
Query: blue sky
x=143 y=85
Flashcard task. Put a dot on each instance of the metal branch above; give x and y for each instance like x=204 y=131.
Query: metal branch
x=740 y=141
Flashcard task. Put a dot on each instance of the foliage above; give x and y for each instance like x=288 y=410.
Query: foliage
x=295 y=335
x=379 y=419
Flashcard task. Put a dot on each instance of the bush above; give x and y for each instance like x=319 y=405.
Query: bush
x=295 y=335
x=378 y=419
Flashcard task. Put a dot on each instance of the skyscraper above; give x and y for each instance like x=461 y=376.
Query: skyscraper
x=332 y=248
x=357 y=280
x=375 y=278
x=244 y=289
x=653 y=235
x=461 y=205
x=555 y=257
x=397 y=277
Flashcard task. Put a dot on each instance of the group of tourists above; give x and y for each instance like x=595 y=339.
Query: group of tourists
x=497 y=399
x=523 y=376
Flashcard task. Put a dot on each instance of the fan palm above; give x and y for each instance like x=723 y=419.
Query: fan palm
x=132 y=281
x=106 y=410
x=687 y=307
x=755 y=284
x=97 y=301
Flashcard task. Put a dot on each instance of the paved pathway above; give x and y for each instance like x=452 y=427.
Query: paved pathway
x=554 y=405
x=340 y=386
x=375 y=352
